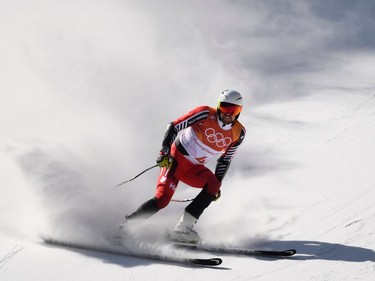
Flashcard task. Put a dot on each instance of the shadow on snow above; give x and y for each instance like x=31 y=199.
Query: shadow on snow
x=316 y=250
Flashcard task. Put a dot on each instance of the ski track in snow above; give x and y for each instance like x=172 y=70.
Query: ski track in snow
x=7 y=257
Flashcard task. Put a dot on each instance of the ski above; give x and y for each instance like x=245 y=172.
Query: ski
x=123 y=251
x=206 y=262
x=237 y=251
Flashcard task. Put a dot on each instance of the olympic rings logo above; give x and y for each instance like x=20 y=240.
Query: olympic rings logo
x=217 y=138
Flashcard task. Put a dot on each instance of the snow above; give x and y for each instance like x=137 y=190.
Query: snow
x=303 y=178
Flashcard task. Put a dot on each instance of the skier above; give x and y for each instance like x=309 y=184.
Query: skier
x=206 y=132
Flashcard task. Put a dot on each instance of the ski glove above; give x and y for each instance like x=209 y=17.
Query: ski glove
x=217 y=195
x=164 y=159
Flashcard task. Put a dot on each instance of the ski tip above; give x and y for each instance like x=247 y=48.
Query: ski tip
x=208 y=262
x=290 y=252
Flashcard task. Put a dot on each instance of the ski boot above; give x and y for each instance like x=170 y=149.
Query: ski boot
x=183 y=231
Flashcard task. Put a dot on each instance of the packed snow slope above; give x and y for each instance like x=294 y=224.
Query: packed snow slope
x=305 y=181
x=86 y=91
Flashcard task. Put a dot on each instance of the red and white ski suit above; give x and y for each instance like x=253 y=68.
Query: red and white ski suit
x=194 y=139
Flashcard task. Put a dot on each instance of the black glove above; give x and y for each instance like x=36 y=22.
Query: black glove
x=164 y=160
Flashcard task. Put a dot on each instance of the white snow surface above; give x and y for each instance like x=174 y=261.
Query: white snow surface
x=86 y=91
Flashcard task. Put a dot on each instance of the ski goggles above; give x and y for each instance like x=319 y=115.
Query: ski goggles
x=228 y=108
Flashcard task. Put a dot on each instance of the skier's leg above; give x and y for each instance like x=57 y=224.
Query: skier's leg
x=199 y=176
x=164 y=192
x=166 y=186
x=202 y=177
x=146 y=210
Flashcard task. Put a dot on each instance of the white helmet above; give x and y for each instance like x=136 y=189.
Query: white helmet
x=230 y=101
x=230 y=96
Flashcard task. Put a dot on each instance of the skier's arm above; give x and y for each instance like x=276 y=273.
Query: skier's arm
x=169 y=137
x=198 y=114
x=225 y=159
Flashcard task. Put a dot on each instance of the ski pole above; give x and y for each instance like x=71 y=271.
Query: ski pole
x=133 y=178
x=182 y=200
